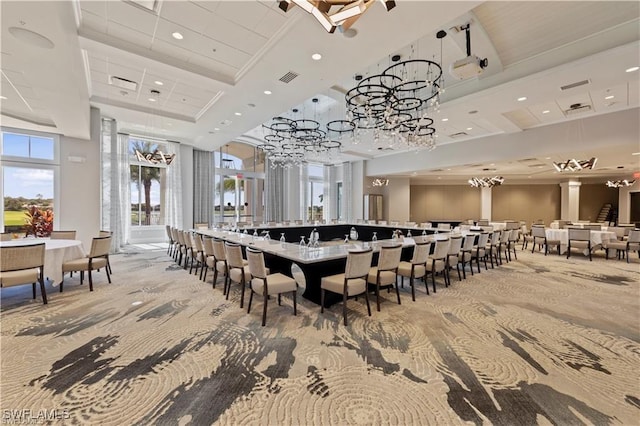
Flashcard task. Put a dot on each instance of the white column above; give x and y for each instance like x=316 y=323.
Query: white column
x=570 y=200
x=485 y=203
x=356 y=190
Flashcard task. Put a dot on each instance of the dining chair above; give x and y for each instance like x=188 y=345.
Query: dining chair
x=539 y=234
x=197 y=252
x=96 y=259
x=208 y=257
x=503 y=245
x=483 y=222
x=170 y=237
x=416 y=267
x=63 y=235
x=444 y=227
x=22 y=265
x=480 y=250
x=238 y=269
x=514 y=235
x=466 y=254
x=453 y=255
x=385 y=274
x=351 y=283
x=220 y=263
x=579 y=239
x=265 y=284
x=492 y=247
x=632 y=243
x=437 y=262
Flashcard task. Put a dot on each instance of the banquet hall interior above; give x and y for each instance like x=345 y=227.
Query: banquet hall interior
x=141 y=123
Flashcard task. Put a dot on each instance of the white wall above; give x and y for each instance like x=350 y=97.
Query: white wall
x=396 y=203
x=80 y=185
x=356 y=192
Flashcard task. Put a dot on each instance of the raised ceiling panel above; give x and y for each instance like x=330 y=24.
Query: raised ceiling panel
x=223 y=53
x=98 y=8
x=186 y=14
x=522 y=118
x=94 y=22
x=234 y=35
x=171 y=50
x=131 y=16
x=129 y=35
x=270 y=24
x=211 y=64
x=210 y=5
x=244 y=13
x=520 y=30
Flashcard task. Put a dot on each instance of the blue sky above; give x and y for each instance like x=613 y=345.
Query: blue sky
x=27 y=182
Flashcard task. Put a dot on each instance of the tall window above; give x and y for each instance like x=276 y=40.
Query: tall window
x=29 y=171
x=315 y=192
x=147 y=184
x=339 y=199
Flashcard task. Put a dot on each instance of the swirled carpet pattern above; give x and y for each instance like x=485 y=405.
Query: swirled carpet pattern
x=540 y=340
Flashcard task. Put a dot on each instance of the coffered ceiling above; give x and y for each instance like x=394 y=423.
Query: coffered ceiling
x=208 y=88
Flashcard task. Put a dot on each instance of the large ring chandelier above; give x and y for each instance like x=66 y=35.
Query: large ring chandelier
x=394 y=105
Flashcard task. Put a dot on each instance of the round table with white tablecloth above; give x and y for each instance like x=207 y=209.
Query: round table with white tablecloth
x=56 y=253
x=597 y=238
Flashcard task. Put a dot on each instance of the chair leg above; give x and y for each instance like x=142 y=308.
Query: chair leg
x=398 y=292
x=295 y=305
x=344 y=307
x=90 y=281
x=264 y=309
x=366 y=297
x=413 y=288
x=43 y=291
x=242 y=283
x=426 y=283
x=458 y=269
x=33 y=287
x=279 y=299
x=378 y=296
x=108 y=274
x=464 y=272
x=250 y=300
x=322 y=301
x=61 y=282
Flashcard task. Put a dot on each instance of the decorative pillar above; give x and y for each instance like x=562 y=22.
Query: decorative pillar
x=485 y=203
x=570 y=200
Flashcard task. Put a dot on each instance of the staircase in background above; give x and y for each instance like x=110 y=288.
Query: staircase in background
x=607 y=214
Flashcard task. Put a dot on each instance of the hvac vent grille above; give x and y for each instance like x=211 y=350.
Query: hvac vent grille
x=576 y=84
x=123 y=83
x=458 y=135
x=288 y=77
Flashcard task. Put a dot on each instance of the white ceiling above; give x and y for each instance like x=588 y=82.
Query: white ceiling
x=232 y=51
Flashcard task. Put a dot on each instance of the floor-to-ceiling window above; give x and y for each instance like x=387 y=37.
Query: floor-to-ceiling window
x=147 y=183
x=30 y=166
x=239 y=184
x=315 y=192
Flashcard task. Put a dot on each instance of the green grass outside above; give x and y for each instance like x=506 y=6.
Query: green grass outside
x=13 y=218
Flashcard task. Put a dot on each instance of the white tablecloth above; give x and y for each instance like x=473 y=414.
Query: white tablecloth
x=597 y=238
x=498 y=226
x=56 y=253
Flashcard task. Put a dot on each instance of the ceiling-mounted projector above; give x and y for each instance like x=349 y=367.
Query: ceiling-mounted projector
x=468 y=67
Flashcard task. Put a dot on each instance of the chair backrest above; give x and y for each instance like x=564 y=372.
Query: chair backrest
x=100 y=246
x=538 y=222
x=358 y=263
x=483 y=239
x=511 y=224
x=441 y=249
x=234 y=255
x=593 y=226
x=495 y=238
x=102 y=233
x=168 y=229
x=467 y=245
x=455 y=245
x=618 y=230
x=6 y=236
x=579 y=234
x=256 y=263
x=444 y=226
x=218 y=250
x=514 y=234
x=420 y=253
x=426 y=225
x=504 y=237
x=389 y=257
x=15 y=258
x=188 y=241
x=483 y=222
x=197 y=240
x=174 y=235
x=634 y=237
x=201 y=225
x=538 y=231
x=207 y=245
x=63 y=235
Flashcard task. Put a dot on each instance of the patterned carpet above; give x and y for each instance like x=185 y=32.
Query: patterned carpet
x=541 y=340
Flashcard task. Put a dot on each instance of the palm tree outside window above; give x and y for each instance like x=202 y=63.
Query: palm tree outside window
x=147 y=185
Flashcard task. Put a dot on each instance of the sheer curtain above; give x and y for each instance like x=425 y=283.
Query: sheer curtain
x=173 y=188
x=274 y=194
x=203 y=182
x=120 y=197
x=347 y=182
x=328 y=177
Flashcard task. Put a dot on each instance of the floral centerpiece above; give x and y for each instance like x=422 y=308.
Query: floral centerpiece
x=38 y=223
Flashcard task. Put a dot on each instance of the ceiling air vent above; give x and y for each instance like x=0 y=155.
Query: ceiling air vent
x=577 y=109
x=123 y=83
x=288 y=77
x=576 y=84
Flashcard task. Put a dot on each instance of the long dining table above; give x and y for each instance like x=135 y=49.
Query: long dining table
x=56 y=253
x=328 y=258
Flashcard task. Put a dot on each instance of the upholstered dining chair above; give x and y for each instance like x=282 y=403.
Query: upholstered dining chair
x=444 y=227
x=209 y=260
x=103 y=233
x=540 y=237
x=96 y=259
x=351 y=283
x=480 y=250
x=503 y=245
x=237 y=267
x=466 y=254
x=63 y=235
x=220 y=263
x=22 y=265
x=492 y=247
x=514 y=235
x=197 y=252
x=385 y=274
x=631 y=244
x=452 y=257
x=170 y=237
x=437 y=262
x=265 y=284
x=579 y=239
x=416 y=267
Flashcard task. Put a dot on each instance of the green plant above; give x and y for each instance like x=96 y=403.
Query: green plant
x=38 y=223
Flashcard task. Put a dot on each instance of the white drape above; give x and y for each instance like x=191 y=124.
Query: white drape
x=274 y=185
x=173 y=188
x=120 y=191
x=347 y=180
x=203 y=182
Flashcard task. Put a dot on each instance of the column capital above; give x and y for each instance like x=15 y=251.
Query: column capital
x=570 y=184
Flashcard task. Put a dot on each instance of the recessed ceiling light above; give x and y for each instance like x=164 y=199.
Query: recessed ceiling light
x=632 y=69
x=445 y=119
x=152 y=100
x=267 y=92
x=136 y=303
x=448 y=169
x=3 y=97
x=159 y=83
x=216 y=128
x=469 y=128
x=547 y=158
x=609 y=97
x=238 y=113
x=522 y=98
x=546 y=111
x=177 y=35
x=316 y=56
